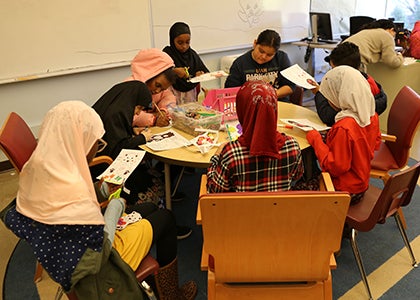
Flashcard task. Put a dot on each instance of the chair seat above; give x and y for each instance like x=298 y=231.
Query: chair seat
x=383 y=159
x=148 y=266
x=358 y=215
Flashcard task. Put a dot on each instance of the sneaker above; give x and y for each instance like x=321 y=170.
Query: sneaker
x=183 y=232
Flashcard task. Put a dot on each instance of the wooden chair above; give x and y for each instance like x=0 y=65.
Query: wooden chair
x=18 y=142
x=377 y=205
x=271 y=245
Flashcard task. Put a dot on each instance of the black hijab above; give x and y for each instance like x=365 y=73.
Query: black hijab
x=188 y=59
x=116 y=109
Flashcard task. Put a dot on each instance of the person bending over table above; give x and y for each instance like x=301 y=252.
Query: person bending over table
x=376 y=43
x=350 y=143
x=261 y=159
x=122 y=109
x=263 y=62
x=58 y=214
x=156 y=69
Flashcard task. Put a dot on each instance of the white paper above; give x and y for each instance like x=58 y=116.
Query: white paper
x=305 y=124
x=205 y=141
x=167 y=140
x=209 y=76
x=123 y=165
x=298 y=76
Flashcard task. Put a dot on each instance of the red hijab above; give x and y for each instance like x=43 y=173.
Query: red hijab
x=256 y=106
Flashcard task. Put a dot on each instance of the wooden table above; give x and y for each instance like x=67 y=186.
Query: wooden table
x=191 y=157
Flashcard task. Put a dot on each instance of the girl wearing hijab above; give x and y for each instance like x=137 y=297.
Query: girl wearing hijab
x=155 y=68
x=57 y=212
x=353 y=138
x=261 y=159
x=187 y=63
x=120 y=108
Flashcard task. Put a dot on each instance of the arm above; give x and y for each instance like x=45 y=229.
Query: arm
x=325 y=112
x=113 y=212
x=284 y=87
x=388 y=55
x=334 y=158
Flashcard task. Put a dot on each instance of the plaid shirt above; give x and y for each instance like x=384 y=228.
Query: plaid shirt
x=235 y=170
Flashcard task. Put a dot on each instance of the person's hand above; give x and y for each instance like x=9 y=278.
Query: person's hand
x=315 y=85
x=162 y=118
x=312 y=135
x=198 y=73
x=147 y=134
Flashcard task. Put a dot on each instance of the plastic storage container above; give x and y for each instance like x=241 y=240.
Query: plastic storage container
x=187 y=117
x=223 y=100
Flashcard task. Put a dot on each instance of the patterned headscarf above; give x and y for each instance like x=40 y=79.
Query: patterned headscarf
x=256 y=106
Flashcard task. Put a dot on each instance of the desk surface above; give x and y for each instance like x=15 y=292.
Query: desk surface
x=191 y=157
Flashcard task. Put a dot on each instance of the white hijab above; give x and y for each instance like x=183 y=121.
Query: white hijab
x=55 y=185
x=346 y=88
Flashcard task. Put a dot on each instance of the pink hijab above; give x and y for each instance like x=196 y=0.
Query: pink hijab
x=55 y=185
x=256 y=106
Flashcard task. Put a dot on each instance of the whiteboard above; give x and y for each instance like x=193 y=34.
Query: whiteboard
x=53 y=37
x=229 y=24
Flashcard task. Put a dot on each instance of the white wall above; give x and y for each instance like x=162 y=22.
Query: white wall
x=32 y=99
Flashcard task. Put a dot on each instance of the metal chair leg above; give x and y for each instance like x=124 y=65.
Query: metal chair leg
x=405 y=238
x=358 y=258
x=148 y=290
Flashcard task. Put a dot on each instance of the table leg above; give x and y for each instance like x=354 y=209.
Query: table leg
x=168 y=186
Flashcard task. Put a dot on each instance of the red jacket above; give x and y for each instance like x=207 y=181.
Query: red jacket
x=347 y=153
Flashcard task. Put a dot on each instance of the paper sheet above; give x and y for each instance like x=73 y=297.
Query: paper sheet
x=209 y=76
x=298 y=76
x=122 y=166
x=167 y=140
x=305 y=124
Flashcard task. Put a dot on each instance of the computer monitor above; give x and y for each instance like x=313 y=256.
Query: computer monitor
x=320 y=26
x=357 y=22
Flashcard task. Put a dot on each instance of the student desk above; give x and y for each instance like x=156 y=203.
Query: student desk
x=191 y=157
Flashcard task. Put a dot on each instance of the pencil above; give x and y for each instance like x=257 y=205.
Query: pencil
x=158 y=109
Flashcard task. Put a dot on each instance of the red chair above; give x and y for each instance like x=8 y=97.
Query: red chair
x=377 y=205
x=403 y=121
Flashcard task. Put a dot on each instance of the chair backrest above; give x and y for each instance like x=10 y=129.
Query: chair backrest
x=381 y=204
x=17 y=140
x=398 y=191
x=356 y=22
x=272 y=236
x=403 y=120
